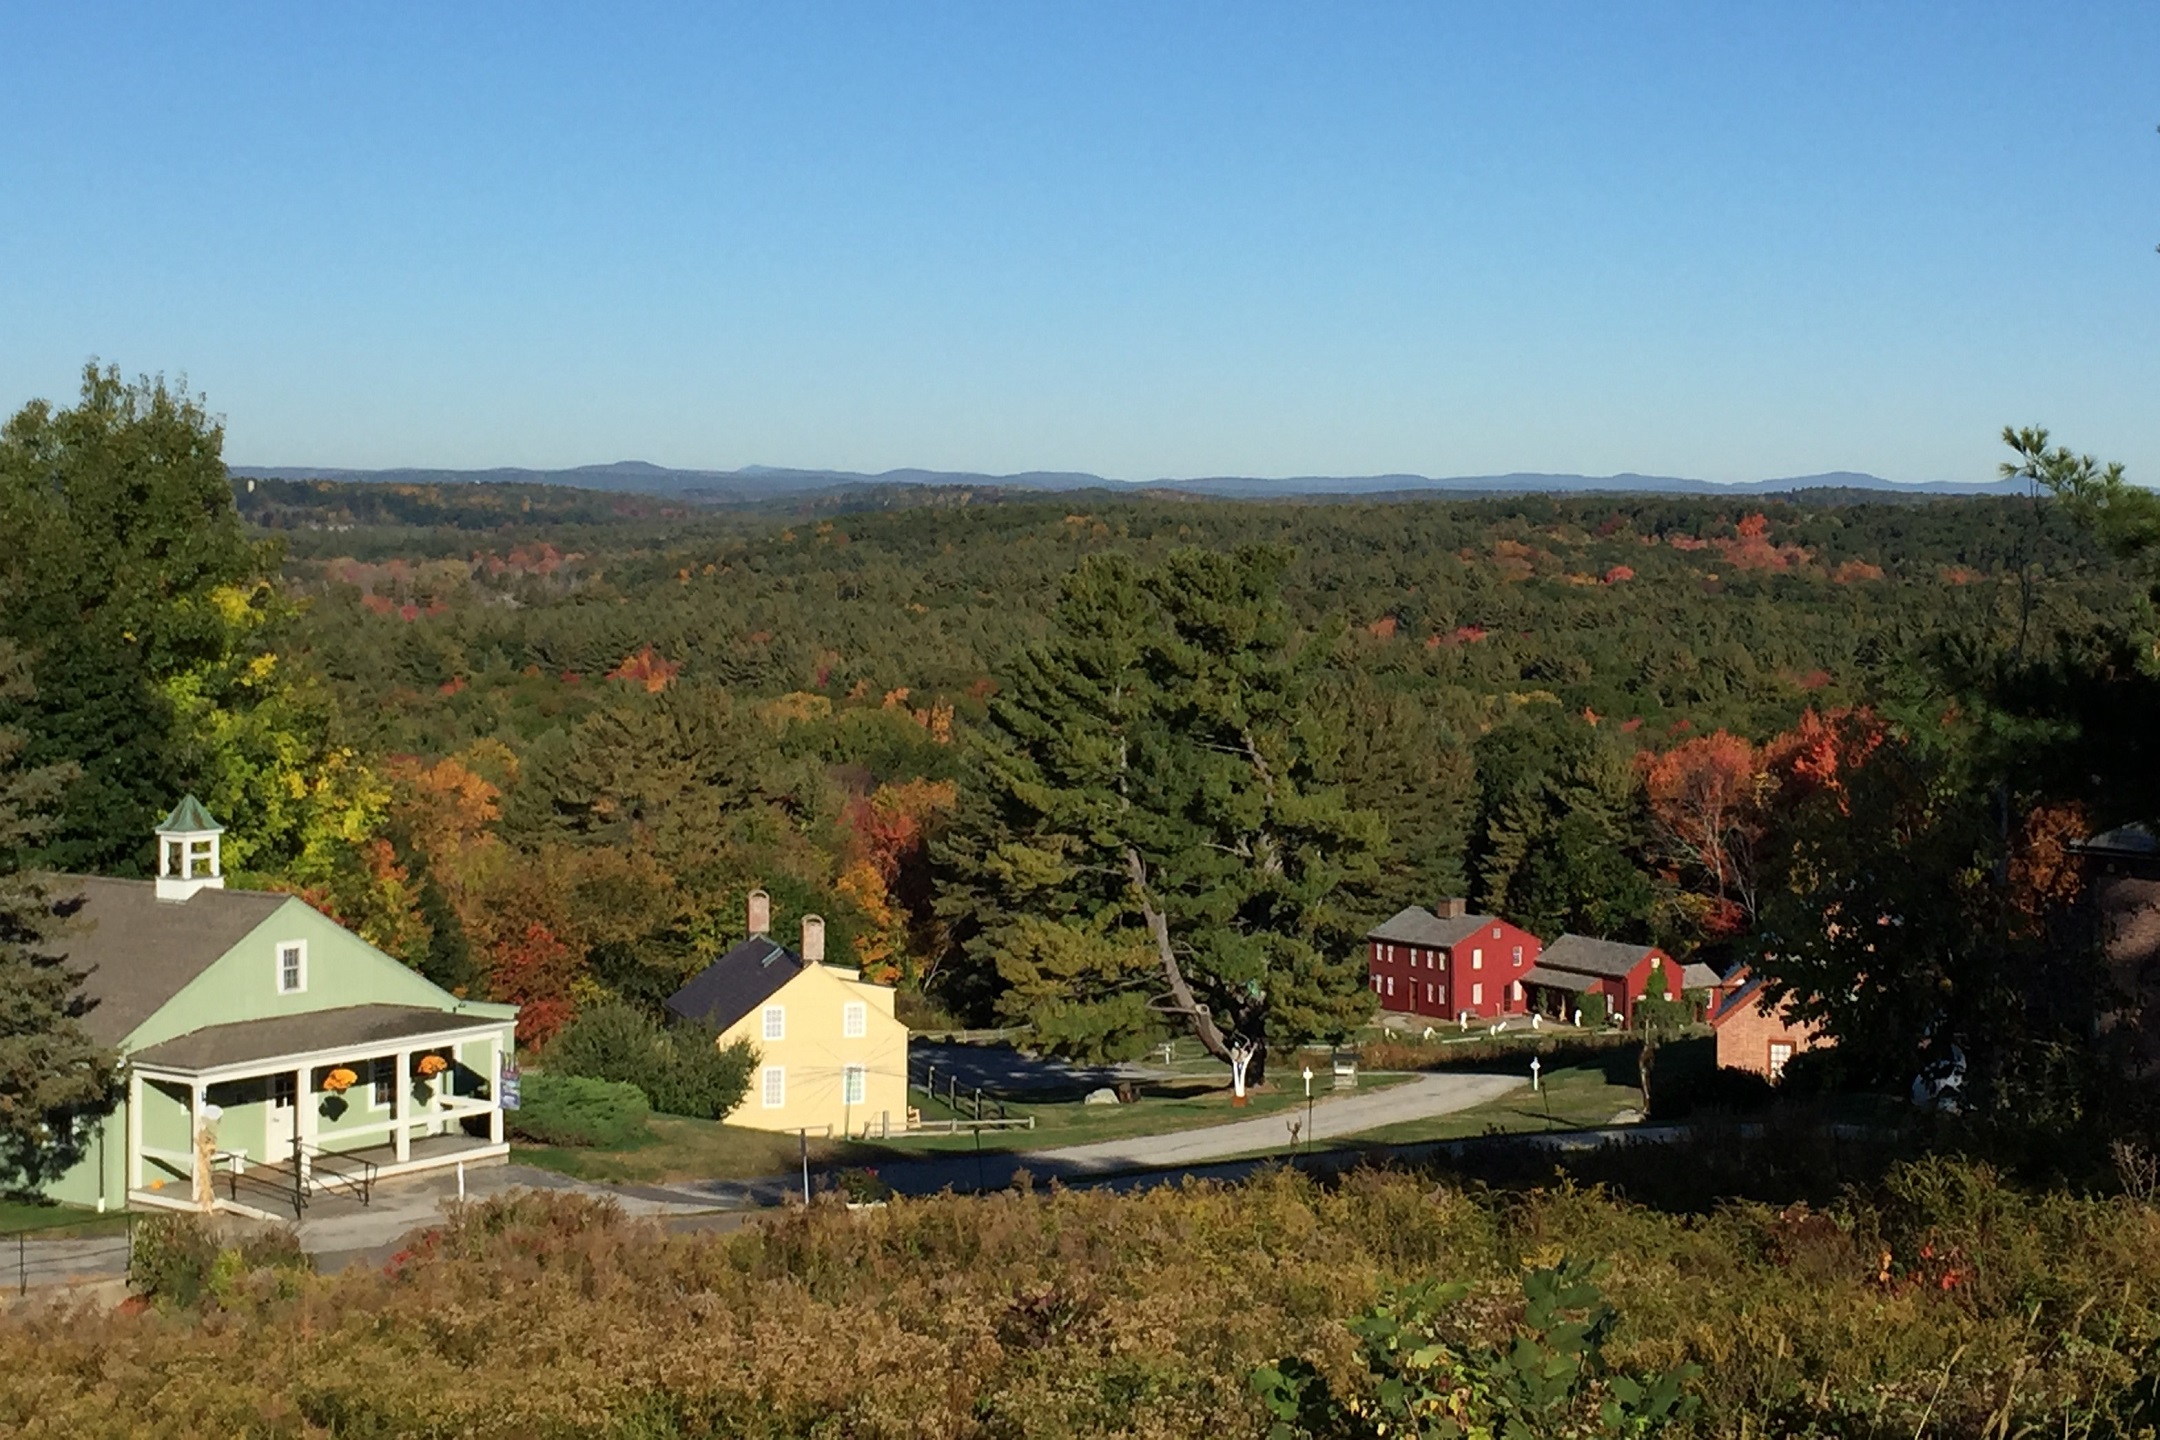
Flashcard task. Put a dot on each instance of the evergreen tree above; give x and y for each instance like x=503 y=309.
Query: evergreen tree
x=52 y=1076
x=1152 y=838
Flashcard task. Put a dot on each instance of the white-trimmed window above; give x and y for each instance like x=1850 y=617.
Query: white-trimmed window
x=384 y=1073
x=1477 y=959
x=775 y=1024
x=854 y=1082
x=291 y=967
x=1780 y=1057
x=1515 y=991
x=284 y=1090
x=1477 y=993
x=1518 y=955
x=1496 y=932
x=1391 y=987
x=774 y=1092
x=854 y=1020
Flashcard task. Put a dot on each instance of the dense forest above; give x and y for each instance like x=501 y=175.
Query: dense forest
x=539 y=743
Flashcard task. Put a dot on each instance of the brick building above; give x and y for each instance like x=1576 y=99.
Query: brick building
x=1753 y=1036
x=1450 y=965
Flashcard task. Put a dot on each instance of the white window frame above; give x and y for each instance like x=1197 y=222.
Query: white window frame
x=1776 y=1062
x=1477 y=958
x=284 y=1090
x=277 y=966
x=775 y=1023
x=854 y=1084
x=382 y=1070
x=772 y=1087
x=1477 y=992
x=854 y=1020
x=1391 y=987
x=1518 y=957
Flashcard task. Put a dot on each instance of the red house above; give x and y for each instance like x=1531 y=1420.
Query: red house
x=1449 y=964
x=1576 y=965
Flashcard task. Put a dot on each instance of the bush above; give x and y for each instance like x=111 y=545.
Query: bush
x=180 y=1260
x=680 y=1069
x=576 y=1110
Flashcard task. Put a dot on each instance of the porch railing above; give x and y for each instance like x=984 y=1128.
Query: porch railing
x=351 y=1174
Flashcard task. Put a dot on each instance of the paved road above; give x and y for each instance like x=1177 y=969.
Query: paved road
x=1334 y=1116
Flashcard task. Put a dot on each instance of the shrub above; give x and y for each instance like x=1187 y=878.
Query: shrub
x=180 y=1260
x=680 y=1069
x=577 y=1110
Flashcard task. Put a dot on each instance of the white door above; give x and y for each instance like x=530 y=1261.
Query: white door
x=279 y=1119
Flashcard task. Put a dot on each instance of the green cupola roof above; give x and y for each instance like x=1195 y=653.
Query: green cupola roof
x=189 y=818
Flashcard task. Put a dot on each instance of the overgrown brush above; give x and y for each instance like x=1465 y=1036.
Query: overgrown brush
x=1940 y=1302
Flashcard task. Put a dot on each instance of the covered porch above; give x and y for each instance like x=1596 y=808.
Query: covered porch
x=258 y=1115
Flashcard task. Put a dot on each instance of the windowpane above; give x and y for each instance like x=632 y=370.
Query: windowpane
x=775 y=1022
x=854 y=1021
x=775 y=1087
x=291 y=973
x=385 y=1072
x=852 y=1085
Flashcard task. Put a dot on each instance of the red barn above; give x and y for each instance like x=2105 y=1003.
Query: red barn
x=1576 y=965
x=1448 y=964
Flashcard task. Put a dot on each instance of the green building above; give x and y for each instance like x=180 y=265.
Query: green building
x=268 y=1050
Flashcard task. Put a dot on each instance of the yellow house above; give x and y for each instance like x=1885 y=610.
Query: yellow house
x=832 y=1058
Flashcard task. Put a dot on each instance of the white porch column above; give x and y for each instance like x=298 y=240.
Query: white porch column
x=495 y=1067
x=401 y=1108
x=132 y=1158
x=304 y=1117
x=443 y=1083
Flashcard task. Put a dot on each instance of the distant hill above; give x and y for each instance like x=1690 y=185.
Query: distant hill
x=765 y=482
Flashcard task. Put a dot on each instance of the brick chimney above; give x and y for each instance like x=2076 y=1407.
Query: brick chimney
x=760 y=913
x=1454 y=907
x=813 y=939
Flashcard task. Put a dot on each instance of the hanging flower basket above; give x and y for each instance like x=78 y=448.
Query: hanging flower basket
x=338 y=1081
x=431 y=1065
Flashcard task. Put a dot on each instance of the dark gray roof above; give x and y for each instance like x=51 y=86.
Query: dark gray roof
x=351 y=1027
x=1419 y=926
x=1558 y=979
x=1739 y=998
x=737 y=983
x=1607 y=958
x=140 y=950
x=2132 y=841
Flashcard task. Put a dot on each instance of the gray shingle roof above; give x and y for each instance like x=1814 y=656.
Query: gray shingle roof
x=1558 y=979
x=140 y=950
x=1608 y=959
x=1419 y=926
x=737 y=983
x=363 y=1029
x=1699 y=976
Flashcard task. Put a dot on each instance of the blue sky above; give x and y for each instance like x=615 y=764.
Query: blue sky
x=1727 y=241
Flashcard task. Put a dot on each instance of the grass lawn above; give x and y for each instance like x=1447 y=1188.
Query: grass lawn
x=17 y=1214
x=683 y=1149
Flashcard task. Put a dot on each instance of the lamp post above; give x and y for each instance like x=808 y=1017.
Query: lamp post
x=1308 y=1109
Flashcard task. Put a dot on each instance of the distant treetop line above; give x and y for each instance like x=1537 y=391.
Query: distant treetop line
x=762 y=482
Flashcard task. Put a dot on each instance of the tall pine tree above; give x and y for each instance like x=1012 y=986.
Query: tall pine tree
x=1151 y=840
